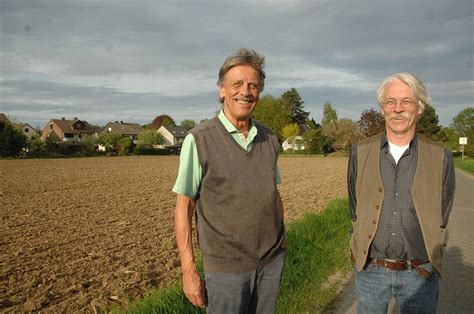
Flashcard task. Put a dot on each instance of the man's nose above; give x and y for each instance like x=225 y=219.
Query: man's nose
x=245 y=89
x=398 y=107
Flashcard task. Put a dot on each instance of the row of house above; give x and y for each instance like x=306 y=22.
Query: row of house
x=74 y=131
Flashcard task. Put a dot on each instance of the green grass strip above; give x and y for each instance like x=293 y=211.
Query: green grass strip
x=318 y=246
x=466 y=165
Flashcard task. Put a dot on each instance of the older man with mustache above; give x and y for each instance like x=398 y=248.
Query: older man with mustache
x=228 y=176
x=401 y=188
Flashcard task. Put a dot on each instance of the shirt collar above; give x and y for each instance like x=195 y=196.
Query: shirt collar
x=231 y=128
x=384 y=141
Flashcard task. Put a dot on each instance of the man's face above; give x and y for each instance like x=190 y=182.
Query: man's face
x=240 y=90
x=400 y=108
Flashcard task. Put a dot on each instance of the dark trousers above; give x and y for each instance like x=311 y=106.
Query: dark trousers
x=250 y=292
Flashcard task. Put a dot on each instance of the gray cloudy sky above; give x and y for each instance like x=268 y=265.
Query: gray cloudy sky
x=133 y=60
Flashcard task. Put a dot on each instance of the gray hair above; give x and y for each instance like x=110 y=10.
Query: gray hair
x=243 y=56
x=416 y=85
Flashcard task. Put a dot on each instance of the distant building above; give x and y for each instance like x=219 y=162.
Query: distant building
x=125 y=129
x=173 y=135
x=298 y=140
x=68 y=131
x=27 y=130
x=288 y=143
x=4 y=122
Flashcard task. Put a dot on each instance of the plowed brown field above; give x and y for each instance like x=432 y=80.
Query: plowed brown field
x=78 y=234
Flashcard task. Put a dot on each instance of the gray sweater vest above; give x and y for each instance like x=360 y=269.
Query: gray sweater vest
x=238 y=220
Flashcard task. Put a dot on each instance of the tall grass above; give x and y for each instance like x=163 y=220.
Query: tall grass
x=466 y=164
x=317 y=248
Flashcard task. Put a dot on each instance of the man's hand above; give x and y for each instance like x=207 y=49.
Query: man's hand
x=194 y=288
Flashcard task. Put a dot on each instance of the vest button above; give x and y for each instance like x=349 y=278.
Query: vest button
x=365 y=252
x=374 y=222
x=370 y=236
x=380 y=190
x=377 y=206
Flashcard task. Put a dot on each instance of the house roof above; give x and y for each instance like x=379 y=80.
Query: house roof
x=73 y=126
x=303 y=128
x=123 y=128
x=4 y=119
x=21 y=126
x=177 y=130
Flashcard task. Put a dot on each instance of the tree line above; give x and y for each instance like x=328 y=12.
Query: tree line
x=284 y=115
x=13 y=143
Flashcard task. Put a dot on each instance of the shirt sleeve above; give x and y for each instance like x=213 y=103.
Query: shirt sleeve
x=190 y=171
x=351 y=180
x=449 y=184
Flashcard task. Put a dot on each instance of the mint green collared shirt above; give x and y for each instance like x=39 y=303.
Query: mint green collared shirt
x=190 y=172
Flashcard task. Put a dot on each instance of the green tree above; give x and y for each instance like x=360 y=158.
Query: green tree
x=188 y=124
x=450 y=138
x=149 y=138
x=317 y=143
x=124 y=145
x=272 y=113
x=343 y=133
x=463 y=125
x=290 y=132
x=463 y=122
x=51 y=142
x=294 y=104
x=90 y=144
x=36 y=146
x=371 y=122
x=111 y=141
x=312 y=124
x=329 y=114
x=12 y=142
x=427 y=124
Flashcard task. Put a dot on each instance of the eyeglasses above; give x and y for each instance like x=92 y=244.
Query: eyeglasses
x=392 y=102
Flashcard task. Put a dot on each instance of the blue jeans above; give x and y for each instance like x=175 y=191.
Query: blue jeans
x=249 y=292
x=375 y=286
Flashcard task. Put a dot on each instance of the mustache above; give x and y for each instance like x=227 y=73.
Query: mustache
x=243 y=98
x=401 y=115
